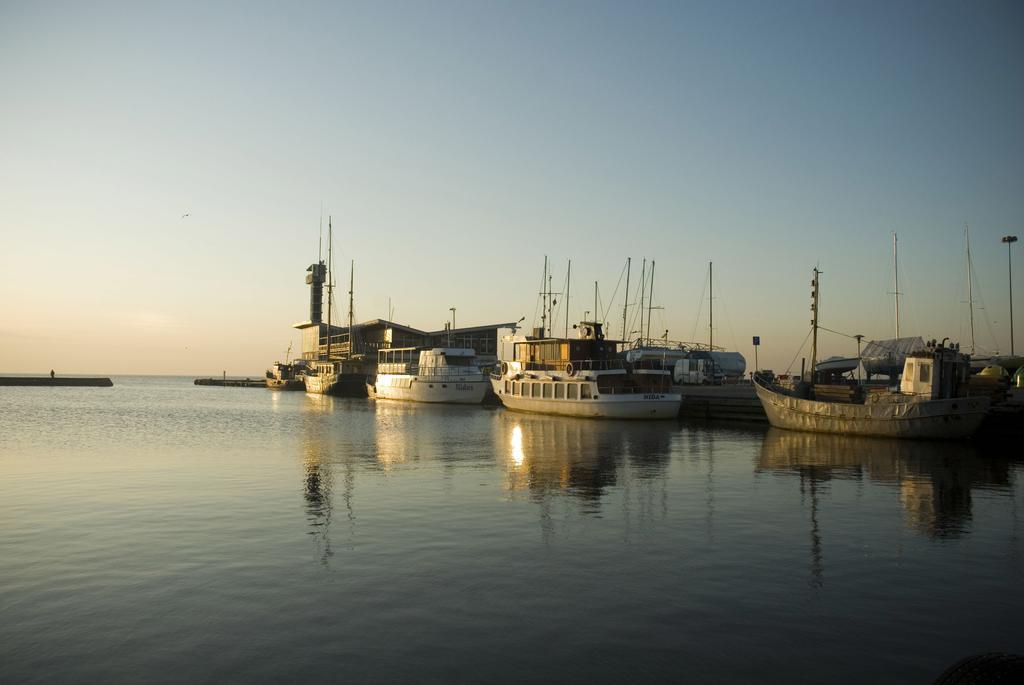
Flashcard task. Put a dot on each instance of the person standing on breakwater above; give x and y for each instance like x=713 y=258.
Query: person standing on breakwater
x=51 y=374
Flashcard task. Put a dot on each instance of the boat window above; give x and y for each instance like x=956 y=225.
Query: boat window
x=547 y=390
x=570 y=391
x=585 y=391
x=925 y=373
x=534 y=389
x=559 y=391
x=508 y=386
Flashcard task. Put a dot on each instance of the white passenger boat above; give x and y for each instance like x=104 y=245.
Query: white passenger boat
x=440 y=374
x=580 y=377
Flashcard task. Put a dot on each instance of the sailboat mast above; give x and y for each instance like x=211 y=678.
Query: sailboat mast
x=551 y=305
x=650 y=304
x=351 y=282
x=625 y=304
x=568 y=276
x=595 y=302
x=544 y=299
x=330 y=282
x=711 y=306
x=970 y=283
x=643 y=282
x=896 y=282
x=814 y=322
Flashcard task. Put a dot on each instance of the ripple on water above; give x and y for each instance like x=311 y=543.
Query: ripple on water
x=162 y=531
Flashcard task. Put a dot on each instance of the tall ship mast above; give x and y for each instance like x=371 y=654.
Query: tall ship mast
x=342 y=375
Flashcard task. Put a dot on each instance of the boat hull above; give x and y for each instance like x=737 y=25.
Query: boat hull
x=337 y=384
x=654 y=405
x=956 y=418
x=416 y=389
x=286 y=384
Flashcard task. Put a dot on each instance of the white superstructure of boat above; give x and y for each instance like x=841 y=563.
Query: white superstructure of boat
x=580 y=377
x=439 y=374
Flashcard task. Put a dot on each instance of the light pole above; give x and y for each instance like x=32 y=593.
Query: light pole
x=1010 y=240
x=859 y=337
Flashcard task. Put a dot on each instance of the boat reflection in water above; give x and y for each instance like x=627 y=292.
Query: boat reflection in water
x=410 y=432
x=934 y=479
x=322 y=463
x=318 y=483
x=551 y=458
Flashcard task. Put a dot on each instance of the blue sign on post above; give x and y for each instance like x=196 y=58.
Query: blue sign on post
x=757 y=340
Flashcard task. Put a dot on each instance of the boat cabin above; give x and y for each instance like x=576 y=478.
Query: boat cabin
x=286 y=371
x=425 y=360
x=590 y=350
x=937 y=372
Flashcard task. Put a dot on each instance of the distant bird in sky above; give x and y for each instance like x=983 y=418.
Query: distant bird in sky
x=186 y=214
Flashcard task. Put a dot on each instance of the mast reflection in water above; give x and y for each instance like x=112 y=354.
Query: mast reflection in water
x=934 y=479
x=295 y=537
x=551 y=457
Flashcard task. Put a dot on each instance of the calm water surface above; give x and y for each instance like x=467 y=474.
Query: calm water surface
x=157 y=531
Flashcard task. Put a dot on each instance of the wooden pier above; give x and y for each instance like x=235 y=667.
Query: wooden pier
x=728 y=402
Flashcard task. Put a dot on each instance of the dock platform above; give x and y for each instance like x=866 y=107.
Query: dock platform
x=729 y=402
x=46 y=381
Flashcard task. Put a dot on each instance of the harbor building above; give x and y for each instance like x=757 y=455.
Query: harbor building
x=362 y=340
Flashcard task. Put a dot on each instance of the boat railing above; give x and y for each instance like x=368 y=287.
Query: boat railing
x=572 y=366
x=442 y=373
x=632 y=390
x=395 y=367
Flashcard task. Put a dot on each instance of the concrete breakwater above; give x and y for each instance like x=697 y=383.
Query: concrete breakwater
x=42 y=381
x=233 y=382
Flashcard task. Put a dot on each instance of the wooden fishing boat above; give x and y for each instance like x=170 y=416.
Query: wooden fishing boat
x=931 y=402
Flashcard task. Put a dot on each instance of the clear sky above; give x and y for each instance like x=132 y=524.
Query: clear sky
x=456 y=144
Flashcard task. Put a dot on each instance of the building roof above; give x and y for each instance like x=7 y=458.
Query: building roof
x=384 y=323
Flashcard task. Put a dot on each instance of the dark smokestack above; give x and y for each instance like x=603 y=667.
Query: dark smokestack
x=315 y=279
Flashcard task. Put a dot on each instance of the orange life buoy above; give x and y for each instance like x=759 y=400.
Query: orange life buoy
x=504 y=368
x=569 y=369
